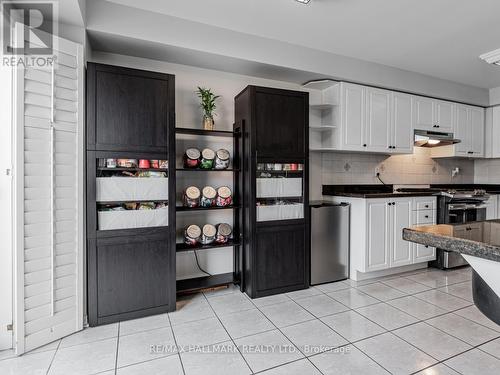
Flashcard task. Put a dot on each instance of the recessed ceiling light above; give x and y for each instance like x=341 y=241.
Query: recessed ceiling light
x=303 y=1
x=492 y=57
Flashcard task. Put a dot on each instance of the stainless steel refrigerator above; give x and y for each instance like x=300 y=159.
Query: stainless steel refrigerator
x=329 y=242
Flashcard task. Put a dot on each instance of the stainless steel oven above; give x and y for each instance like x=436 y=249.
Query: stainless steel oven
x=458 y=207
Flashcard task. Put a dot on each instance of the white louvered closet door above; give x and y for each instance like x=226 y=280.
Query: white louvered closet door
x=49 y=104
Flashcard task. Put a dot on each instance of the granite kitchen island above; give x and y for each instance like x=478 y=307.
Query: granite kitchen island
x=479 y=244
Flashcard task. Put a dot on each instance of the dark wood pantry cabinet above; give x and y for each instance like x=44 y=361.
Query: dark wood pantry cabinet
x=130 y=193
x=273 y=189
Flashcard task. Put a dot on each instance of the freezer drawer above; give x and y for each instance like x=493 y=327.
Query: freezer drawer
x=329 y=243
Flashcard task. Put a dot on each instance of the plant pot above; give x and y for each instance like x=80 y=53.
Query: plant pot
x=208 y=123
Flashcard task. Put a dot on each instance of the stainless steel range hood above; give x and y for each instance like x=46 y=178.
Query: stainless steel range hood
x=428 y=138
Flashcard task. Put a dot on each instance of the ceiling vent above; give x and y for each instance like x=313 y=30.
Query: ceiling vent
x=492 y=57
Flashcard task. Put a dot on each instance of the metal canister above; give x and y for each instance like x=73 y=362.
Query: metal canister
x=223 y=233
x=192 y=158
x=222 y=159
x=192 y=235
x=224 y=197
x=208 y=197
x=191 y=197
x=207 y=159
x=208 y=234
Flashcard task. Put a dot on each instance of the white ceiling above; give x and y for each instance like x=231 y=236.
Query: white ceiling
x=441 y=38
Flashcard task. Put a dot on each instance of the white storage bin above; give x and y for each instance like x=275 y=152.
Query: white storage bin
x=279 y=187
x=111 y=189
x=108 y=220
x=280 y=212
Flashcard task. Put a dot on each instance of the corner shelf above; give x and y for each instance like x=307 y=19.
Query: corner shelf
x=213 y=133
x=184 y=247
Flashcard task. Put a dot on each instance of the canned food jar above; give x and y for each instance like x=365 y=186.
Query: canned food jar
x=208 y=197
x=192 y=235
x=294 y=167
x=192 y=158
x=163 y=164
x=278 y=166
x=207 y=159
x=192 y=197
x=222 y=159
x=111 y=163
x=208 y=234
x=144 y=164
x=223 y=233
x=224 y=197
x=127 y=163
x=154 y=164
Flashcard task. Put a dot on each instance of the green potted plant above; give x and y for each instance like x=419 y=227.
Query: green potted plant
x=208 y=105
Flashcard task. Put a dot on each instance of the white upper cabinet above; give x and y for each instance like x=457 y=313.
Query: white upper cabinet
x=443 y=115
x=353 y=117
x=424 y=113
x=477 y=131
x=432 y=114
x=469 y=129
x=402 y=131
x=378 y=120
x=492 y=138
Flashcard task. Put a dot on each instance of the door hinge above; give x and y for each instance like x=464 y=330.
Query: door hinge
x=10 y=327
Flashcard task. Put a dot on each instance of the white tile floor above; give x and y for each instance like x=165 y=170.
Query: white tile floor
x=421 y=322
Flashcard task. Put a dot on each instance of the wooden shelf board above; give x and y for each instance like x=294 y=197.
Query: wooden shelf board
x=181 y=247
x=190 y=285
x=206 y=170
x=212 y=133
x=185 y=209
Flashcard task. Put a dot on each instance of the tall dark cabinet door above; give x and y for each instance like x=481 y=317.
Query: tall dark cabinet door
x=131 y=276
x=131 y=109
x=280 y=255
x=280 y=120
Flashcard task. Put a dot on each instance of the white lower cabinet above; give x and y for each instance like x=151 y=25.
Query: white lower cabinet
x=377 y=232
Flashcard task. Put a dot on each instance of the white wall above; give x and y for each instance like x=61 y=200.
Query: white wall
x=188 y=114
x=495 y=96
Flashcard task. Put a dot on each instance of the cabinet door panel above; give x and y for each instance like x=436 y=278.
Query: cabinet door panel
x=133 y=274
x=477 y=131
x=424 y=253
x=424 y=113
x=444 y=115
x=402 y=120
x=378 y=247
x=402 y=253
x=462 y=130
x=353 y=113
x=131 y=112
x=281 y=120
x=378 y=119
x=280 y=253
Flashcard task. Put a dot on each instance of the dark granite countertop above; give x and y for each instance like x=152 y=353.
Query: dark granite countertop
x=386 y=191
x=480 y=239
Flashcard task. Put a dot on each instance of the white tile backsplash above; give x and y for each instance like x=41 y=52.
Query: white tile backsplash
x=417 y=168
x=487 y=171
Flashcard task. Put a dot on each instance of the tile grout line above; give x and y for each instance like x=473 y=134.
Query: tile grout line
x=54 y=356
x=176 y=345
x=117 y=347
x=230 y=337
